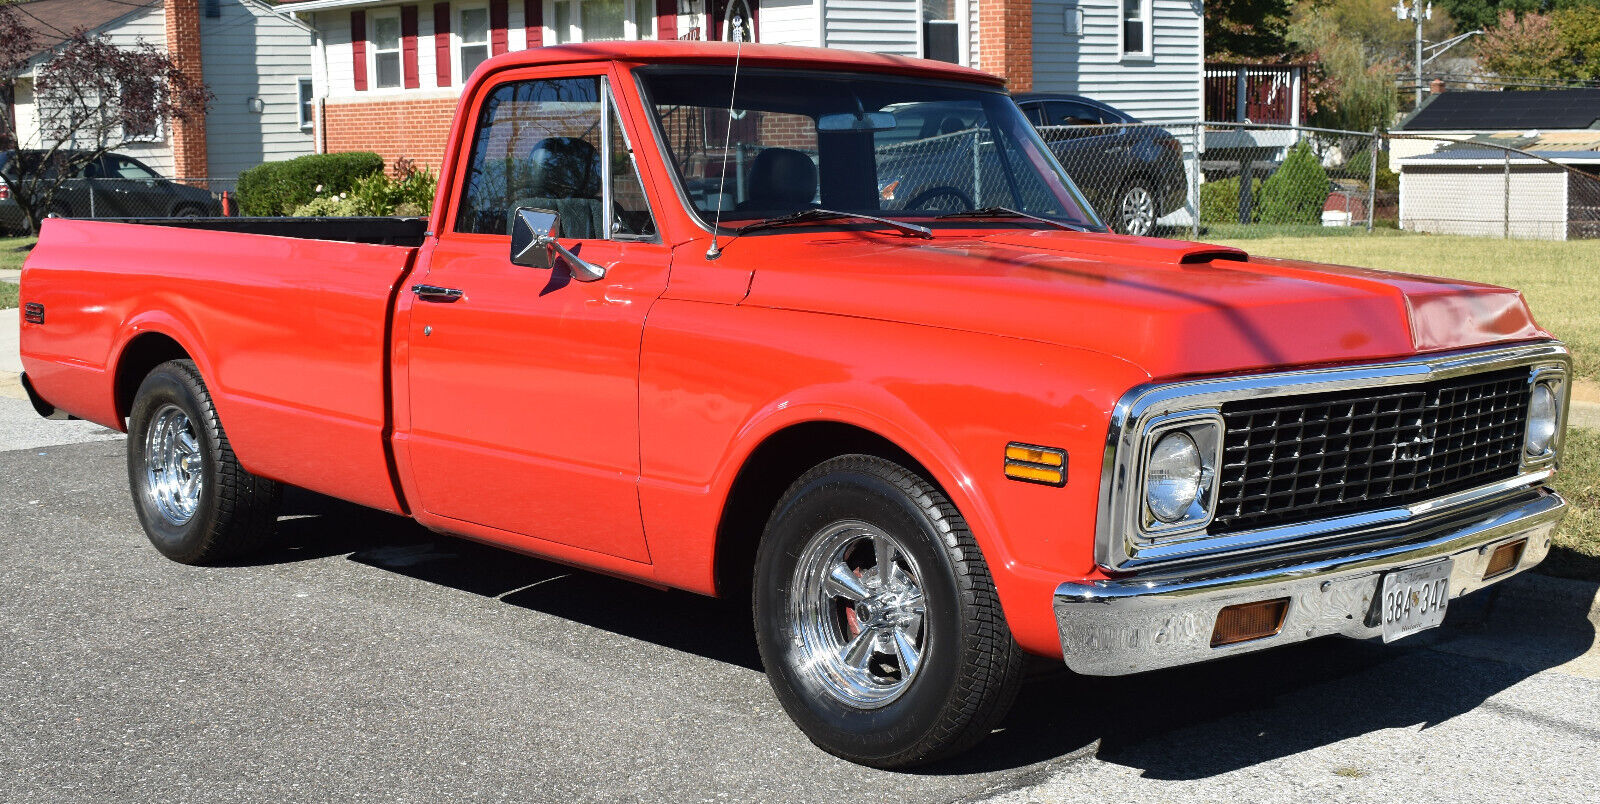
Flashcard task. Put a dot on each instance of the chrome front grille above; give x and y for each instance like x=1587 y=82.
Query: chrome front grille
x=1298 y=458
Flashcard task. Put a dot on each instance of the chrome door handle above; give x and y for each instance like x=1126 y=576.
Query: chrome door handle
x=434 y=293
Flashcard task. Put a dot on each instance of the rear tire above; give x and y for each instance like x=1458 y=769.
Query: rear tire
x=877 y=618
x=1136 y=211
x=196 y=503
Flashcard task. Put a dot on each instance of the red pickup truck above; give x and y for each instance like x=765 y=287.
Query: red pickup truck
x=758 y=322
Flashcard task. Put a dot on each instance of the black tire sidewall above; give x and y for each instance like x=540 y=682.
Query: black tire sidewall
x=863 y=735
x=166 y=384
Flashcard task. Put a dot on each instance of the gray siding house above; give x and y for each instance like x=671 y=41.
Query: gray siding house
x=256 y=61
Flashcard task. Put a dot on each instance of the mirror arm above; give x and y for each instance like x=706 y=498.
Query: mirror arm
x=582 y=270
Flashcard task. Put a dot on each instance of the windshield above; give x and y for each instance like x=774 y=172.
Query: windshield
x=891 y=147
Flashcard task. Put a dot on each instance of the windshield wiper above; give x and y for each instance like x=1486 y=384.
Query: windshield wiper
x=811 y=215
x=1008 y=212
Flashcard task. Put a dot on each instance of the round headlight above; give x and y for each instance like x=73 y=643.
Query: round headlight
x=1172 y=481
x=1542 y=419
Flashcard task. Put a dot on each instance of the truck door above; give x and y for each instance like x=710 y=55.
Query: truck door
x=522 y=383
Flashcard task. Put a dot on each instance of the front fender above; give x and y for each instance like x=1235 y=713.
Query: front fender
x=718 y=381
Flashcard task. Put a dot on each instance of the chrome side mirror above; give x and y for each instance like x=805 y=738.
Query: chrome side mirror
x=533 y=244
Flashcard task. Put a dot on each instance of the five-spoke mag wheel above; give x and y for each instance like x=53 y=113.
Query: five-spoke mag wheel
x=858 y=613
x=174 y=467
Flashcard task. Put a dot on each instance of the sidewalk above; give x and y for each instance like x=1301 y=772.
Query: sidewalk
x=10 y=359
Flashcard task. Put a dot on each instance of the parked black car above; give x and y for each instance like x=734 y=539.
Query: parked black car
x=112 y=186
x=1132 y=174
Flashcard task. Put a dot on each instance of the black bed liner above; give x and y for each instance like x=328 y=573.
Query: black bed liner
x=375 y=231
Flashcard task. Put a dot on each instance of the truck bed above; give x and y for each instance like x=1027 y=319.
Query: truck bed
x=287 y=318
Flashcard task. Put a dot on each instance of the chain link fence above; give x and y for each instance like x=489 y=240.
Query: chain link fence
x=1219 y=180
x=127 y=198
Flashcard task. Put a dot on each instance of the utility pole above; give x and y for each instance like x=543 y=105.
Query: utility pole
x=1417 y=12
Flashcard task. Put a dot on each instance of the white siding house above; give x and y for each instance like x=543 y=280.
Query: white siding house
x=1148 y=62
x=253 y=60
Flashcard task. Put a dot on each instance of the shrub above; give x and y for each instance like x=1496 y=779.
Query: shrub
x=1219 y=200
x=1295 y=192
x=1360 y=168
x=410 y=195
x=279 y=188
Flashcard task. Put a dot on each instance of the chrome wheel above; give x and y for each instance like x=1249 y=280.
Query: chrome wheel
x=1138 y=211
x=174 y=466
x=857 y=614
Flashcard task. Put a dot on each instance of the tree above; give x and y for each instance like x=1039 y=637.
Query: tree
x=1525 y=47
x=1578 y=28
x=1358 y=50
x=18 y=44
x=1247 y=30
x=94 y=97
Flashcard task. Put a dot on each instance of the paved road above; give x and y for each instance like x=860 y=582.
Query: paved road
x=368 y=659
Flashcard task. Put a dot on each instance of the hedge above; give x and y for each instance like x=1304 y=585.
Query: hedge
x=278 y=188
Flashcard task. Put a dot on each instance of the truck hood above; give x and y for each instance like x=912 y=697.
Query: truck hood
x=1171 y=307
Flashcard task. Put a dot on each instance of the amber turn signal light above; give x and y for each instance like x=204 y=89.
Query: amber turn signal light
x=1505 y=558
x=1247 y=621
x=1036 y=464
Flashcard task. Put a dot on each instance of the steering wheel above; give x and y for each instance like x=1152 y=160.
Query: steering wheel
x=942 y=198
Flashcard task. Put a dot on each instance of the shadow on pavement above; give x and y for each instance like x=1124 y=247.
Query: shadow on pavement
x=1186 y=723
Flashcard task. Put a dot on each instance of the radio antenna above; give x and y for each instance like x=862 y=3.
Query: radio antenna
x=727 y=137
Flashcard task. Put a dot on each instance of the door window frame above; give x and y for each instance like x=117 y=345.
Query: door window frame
x=608 y=103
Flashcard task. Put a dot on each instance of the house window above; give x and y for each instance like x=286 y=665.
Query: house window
x=474 y=47
x=386 y=50
x=307 y=104
x=601 y=20
x=1136 y=27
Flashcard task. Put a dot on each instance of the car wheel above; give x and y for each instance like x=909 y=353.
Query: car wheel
x=1136 y=210
x=197 y=504
x=877 y=618
x=187 y=212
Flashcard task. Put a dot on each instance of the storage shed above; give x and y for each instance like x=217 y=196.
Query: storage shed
x=1548 y=190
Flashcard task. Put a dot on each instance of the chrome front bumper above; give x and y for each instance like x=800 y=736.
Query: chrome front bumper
x=1117 y=627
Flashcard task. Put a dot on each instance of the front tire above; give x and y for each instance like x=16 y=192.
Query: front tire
x=877 y=618
x=196 y=503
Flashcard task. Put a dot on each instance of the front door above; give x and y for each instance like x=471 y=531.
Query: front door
x=523 y=390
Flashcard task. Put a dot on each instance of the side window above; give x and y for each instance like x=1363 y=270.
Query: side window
x=1065 y=113
x=537 y=144
x=1035 y=114
x=542 y=144
x=129 y=169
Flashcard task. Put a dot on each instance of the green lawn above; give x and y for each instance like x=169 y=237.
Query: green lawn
x=1562 y=286
x=12 y=252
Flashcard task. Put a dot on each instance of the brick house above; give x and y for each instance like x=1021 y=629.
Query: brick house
x=386 y=74
x=254 y=60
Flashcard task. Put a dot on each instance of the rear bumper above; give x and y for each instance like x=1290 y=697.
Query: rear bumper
x=1117 y=627
x=40 y=406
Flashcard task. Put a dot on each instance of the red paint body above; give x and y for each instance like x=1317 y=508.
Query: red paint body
x=604 y=424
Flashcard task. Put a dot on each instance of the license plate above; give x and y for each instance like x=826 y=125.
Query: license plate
x=1415 y=599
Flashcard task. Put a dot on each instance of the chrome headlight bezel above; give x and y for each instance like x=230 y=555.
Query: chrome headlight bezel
x=1205 y=429
x=1553 y=378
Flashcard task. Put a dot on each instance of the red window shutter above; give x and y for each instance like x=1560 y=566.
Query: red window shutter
x=533 y=21
x=666 y=19
x=497 y=26
x=408 y=46
x=441 y=42
x=358 y=47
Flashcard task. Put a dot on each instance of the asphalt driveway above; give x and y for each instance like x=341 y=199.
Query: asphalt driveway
x=366 y=658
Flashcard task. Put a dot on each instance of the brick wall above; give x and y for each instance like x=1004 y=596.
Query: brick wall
x=1005 y=41
x=413 y=128
x=189 y=159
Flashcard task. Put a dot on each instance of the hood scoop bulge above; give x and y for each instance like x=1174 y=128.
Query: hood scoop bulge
x=1148 y=250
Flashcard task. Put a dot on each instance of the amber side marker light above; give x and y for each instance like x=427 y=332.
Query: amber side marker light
x=1505 y=558
x=1035 y=464
x=1247 y=621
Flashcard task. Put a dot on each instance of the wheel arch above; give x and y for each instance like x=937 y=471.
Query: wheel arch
x=146 y=343
x=771 y=467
